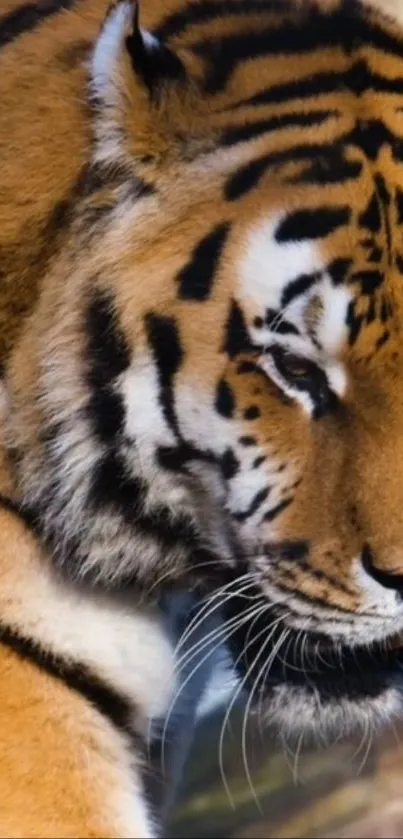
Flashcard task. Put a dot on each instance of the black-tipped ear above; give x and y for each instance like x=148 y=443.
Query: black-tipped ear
x=152 y=61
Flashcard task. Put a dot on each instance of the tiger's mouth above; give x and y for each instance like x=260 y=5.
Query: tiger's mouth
x=314 y=662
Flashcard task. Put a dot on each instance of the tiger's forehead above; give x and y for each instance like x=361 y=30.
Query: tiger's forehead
x=289 y=290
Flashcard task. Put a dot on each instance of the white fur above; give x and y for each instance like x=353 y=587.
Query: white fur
x=265 y=271
x=200 y=423
x=379 y=614
x=377 y=598
x=299 y=711
x=132 y=812
x=107 y=83
x=337 y=378
x=125 y=805
x=121 y=642
x=267 y=266
x=108 y=48
x=150 y=41
x=391 y=8
x=332 y=328
x=144 y=417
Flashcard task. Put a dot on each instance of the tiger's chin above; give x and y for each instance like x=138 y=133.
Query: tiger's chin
x=316 y=689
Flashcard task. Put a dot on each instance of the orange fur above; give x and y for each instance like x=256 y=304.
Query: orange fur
x=38 y=243
x=110 y=198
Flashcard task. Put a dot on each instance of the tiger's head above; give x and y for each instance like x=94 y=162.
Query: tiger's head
x=213 y=377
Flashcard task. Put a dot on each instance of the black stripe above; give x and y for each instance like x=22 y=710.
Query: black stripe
x=378 y=38
x=354 y=323
x=273 y=319
x=245 y=179
x=176 y=458
x=300 y=36
x=256 y=502
x=299 y=286
x=252 y=413
x=312 y=224
x=316 y=574
x=197 y=277
x=307 y=32
x=241 y=133
x=95 y=177
x=382 y=340
x=107 y=345
x=311 y=86
x=78 y=677
x=369 y=280
x=107 y=356
x=386 y=200
x=28 y=17
x=338 y=270
x=112 y=487
x=247 y=440
x=369 y=137
x=399 y=205
x=164 y=340
x=360 y=78
x=236 y=338
x=248 y=176
x=245 y=367
x=357 y=79
x=275 y=511
x=209 y=10
x=300 y=596
x=229 y=465
x=329 y=168
x=28 y=518
x=371 y=218
x=224 y=401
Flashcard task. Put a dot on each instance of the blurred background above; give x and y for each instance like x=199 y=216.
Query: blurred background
x=350 y=789
x=242 y=781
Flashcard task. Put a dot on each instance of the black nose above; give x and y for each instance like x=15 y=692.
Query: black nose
x=384 y=578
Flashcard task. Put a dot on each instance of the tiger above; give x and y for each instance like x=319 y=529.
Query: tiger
x=201 y=271
x=82 y=674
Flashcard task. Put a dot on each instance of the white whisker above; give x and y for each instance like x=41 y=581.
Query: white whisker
x=200 y=615
x=213 y=635
x=270 y=629
x=242 y=619
x=249 y=704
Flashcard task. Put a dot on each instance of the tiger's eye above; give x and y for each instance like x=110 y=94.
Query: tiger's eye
x=295 y=367
x=303 y=374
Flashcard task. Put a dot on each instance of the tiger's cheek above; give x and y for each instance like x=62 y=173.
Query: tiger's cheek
x=268 y=456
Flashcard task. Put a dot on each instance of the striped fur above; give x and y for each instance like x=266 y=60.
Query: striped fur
x=201 y=303
x=81 y=677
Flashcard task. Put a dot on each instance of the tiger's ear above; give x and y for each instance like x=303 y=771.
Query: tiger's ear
x=152 y=61
x=153 y=64
x=140 y=90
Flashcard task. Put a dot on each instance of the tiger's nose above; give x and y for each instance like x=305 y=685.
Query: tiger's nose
x=387 y=579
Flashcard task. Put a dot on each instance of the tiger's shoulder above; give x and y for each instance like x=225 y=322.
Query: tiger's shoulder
x=81 y=676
